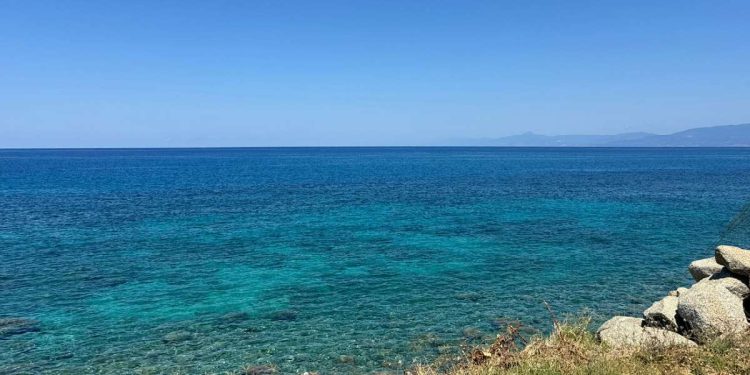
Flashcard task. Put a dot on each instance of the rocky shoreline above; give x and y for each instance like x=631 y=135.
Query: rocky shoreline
x=717 y=305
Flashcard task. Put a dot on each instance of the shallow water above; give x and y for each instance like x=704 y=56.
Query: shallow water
x=337 y=260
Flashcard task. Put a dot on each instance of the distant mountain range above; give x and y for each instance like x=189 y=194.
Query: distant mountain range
x=715 y=136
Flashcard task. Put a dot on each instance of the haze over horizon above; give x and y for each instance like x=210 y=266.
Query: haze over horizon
x=180 y=74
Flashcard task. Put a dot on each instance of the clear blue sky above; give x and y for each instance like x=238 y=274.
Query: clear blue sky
x=269 y=73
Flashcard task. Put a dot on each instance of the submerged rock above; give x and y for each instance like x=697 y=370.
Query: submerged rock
x=429 y=339
x=711 y=309
x=259 y=370
x=64 y=355
x=16 y=326
x=733 y=258
x=235 y=317
x=662 y=314
x=176 y=336
x=701 y=269
x=472 y=333
x=469 y=296
x=284 y=315
x=502 y=324
x=622 y=331
x=347 y=359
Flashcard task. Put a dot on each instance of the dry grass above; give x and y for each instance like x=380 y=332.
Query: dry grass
x=573 y=349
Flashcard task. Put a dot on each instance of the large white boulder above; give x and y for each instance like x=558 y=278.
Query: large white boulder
x=703 y=268
x=734 y=283
x=736 y=260
x=711 y=309
x=622 y=331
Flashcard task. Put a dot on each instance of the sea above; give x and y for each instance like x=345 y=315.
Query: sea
x=338 y=260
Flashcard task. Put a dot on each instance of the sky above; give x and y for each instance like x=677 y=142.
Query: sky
x=364 y=73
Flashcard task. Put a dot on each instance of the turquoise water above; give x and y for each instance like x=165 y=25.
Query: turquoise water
x=336 y=260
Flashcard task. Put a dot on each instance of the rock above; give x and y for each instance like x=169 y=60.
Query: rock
x=734 y=283
x=259 y=370
x=184 y=359
x=711 y=309
x=347 y=359
x=622 y=331
x=733 y=258
x=701 y=269
x=472 y=333
x=235 y=317
x=469 y=296
x=16 y=326
x=63 y=355
x=502 y=323
x=426 y=340
x=662 y=314
x=176 y=336
x=284 y=316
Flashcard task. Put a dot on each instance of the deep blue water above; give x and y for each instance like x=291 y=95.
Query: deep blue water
x=341 y=260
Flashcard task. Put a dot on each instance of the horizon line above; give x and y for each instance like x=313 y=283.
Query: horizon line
x=340 y=146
